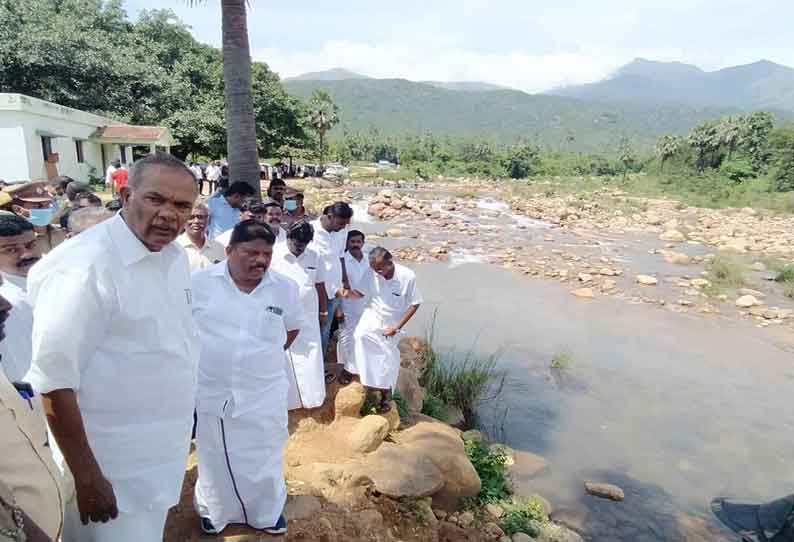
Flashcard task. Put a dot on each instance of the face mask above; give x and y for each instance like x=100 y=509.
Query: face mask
x=41 y=217
x=290 y=205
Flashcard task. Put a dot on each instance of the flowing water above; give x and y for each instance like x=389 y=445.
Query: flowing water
x=674 y=408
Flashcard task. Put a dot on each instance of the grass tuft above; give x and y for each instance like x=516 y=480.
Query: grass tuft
x=491 y=466
x=523 y=515
x=785 y=274
x=725 y=274
x=562 y=361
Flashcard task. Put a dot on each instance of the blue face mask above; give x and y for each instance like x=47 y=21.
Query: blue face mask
x=41 y=217
x=290 y=205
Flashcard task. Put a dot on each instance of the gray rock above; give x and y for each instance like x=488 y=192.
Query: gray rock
x=521 y=537
x=398 y=471
x=301 y=507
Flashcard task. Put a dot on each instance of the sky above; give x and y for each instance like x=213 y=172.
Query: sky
x=530 y=45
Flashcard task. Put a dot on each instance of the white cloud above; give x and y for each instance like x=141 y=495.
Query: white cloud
x=529 y=72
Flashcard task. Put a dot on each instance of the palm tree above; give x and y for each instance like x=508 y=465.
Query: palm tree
x=731 y=131
x=324 y=115
x=626 y=155
x=666 y=147
x=703 y=139
x=240 y=124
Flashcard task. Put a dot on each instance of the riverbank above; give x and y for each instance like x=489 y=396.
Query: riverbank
x=355 y=476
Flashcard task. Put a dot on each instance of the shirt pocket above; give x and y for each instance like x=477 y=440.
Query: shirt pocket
x=270 y=327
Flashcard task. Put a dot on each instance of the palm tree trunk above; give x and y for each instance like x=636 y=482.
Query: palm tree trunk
x=240 y=123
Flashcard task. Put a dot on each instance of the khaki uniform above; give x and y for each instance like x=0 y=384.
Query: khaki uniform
x=26 y=464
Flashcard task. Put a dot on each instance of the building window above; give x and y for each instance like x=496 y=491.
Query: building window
x=46 y=147
x=78 y=147
x=123 y=150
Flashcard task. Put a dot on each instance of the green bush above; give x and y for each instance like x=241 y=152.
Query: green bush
x=491 y=467
x=725 y=274
x=523 y=515
x=738 y=169
x=786 y=274
x=402 y=406
x=434 y=407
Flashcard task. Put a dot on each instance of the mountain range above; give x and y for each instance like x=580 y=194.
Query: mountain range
x=641 y=100
x=760 y=85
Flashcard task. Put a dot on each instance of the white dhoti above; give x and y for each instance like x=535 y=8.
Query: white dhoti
x=305 y=370
x=345 y=346
x=241 y=476
x=140 y=526
x=377 y=357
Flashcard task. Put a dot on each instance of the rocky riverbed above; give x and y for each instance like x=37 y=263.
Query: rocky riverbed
x=652 y=251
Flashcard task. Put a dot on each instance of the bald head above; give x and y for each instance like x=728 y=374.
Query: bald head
x=161 y=161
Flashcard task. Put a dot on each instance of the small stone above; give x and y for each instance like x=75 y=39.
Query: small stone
x=607 y=272
x=604 y=491
x=647 y=280
x=465 y=519
x=521 y=537
x=748 y=291
x=608 y=285
x=758 y=266
x=746 y=302
x=700 y=283
x=493 y=531
x=394 y=232
x=673 y=236
x=301 y=507
x=585 y=277
x=441 y=515
x=583 y=293
x=494 y=510
x=678 y=258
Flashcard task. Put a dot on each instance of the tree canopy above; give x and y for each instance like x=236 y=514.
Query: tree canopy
x=88 y=55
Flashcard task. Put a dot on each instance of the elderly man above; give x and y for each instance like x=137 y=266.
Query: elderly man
x=393 y=299
x=303 y=265
x=225 y=207
x=26 y=466
x=115 y=352
x=18 y=252
x=248 y=315
x=330 y=238
x=201 y=251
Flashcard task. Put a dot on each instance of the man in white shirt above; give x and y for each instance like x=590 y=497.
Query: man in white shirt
x=213 y=174
x=302 y=264
x=18 y=252
x=273 y=215
x=393 y=299
x=330 y=239
x=201 y=251
x=112 y=167
x=115 y=352
x=357 y=266
x=247 y=315
x=250 y=208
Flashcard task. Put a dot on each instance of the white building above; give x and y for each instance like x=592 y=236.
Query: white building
x=41 y=140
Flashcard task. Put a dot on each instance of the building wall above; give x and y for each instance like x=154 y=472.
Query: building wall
x=13 y=154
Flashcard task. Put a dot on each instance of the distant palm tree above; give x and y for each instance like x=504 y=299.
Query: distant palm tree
x=731 y=131
x=241 y=145
x=324 y=115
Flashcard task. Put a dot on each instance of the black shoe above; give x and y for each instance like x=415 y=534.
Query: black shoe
x=279 y=528
x=207 y=526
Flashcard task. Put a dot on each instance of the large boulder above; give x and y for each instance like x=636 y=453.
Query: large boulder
x=673 y=236
x=349 y=400
x=376 y=209
x=398 y=471
x=444 y=446
x=369 y=433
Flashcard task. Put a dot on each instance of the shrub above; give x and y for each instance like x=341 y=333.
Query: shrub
x=402 y=406
x=562 y=361
x=491 y=467
x=523 y=515
x=786 y=274
x=725 y=273
x=434 y=407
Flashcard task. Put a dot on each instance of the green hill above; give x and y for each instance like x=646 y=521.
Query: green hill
x=397 y=106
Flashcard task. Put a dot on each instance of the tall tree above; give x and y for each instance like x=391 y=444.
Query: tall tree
x=703 y=140
x=626 y=155
x=241 y=143
x=731 y=132
x=324 y=115
x=666 y=147
x=759 y=126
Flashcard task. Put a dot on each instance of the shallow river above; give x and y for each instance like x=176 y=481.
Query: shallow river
x=674 y=408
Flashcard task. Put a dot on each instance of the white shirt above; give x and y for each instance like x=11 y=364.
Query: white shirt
x=391 y=298
x=357 y=272
x=242 y=338
x=197 y=173
x=200 y=258
x=213 y=172
x=16 y=349
x=306 y=270
x=109 y=174
x=331 y=247
x=112 y=321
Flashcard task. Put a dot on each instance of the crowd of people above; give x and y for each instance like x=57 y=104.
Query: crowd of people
x=133 y=326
